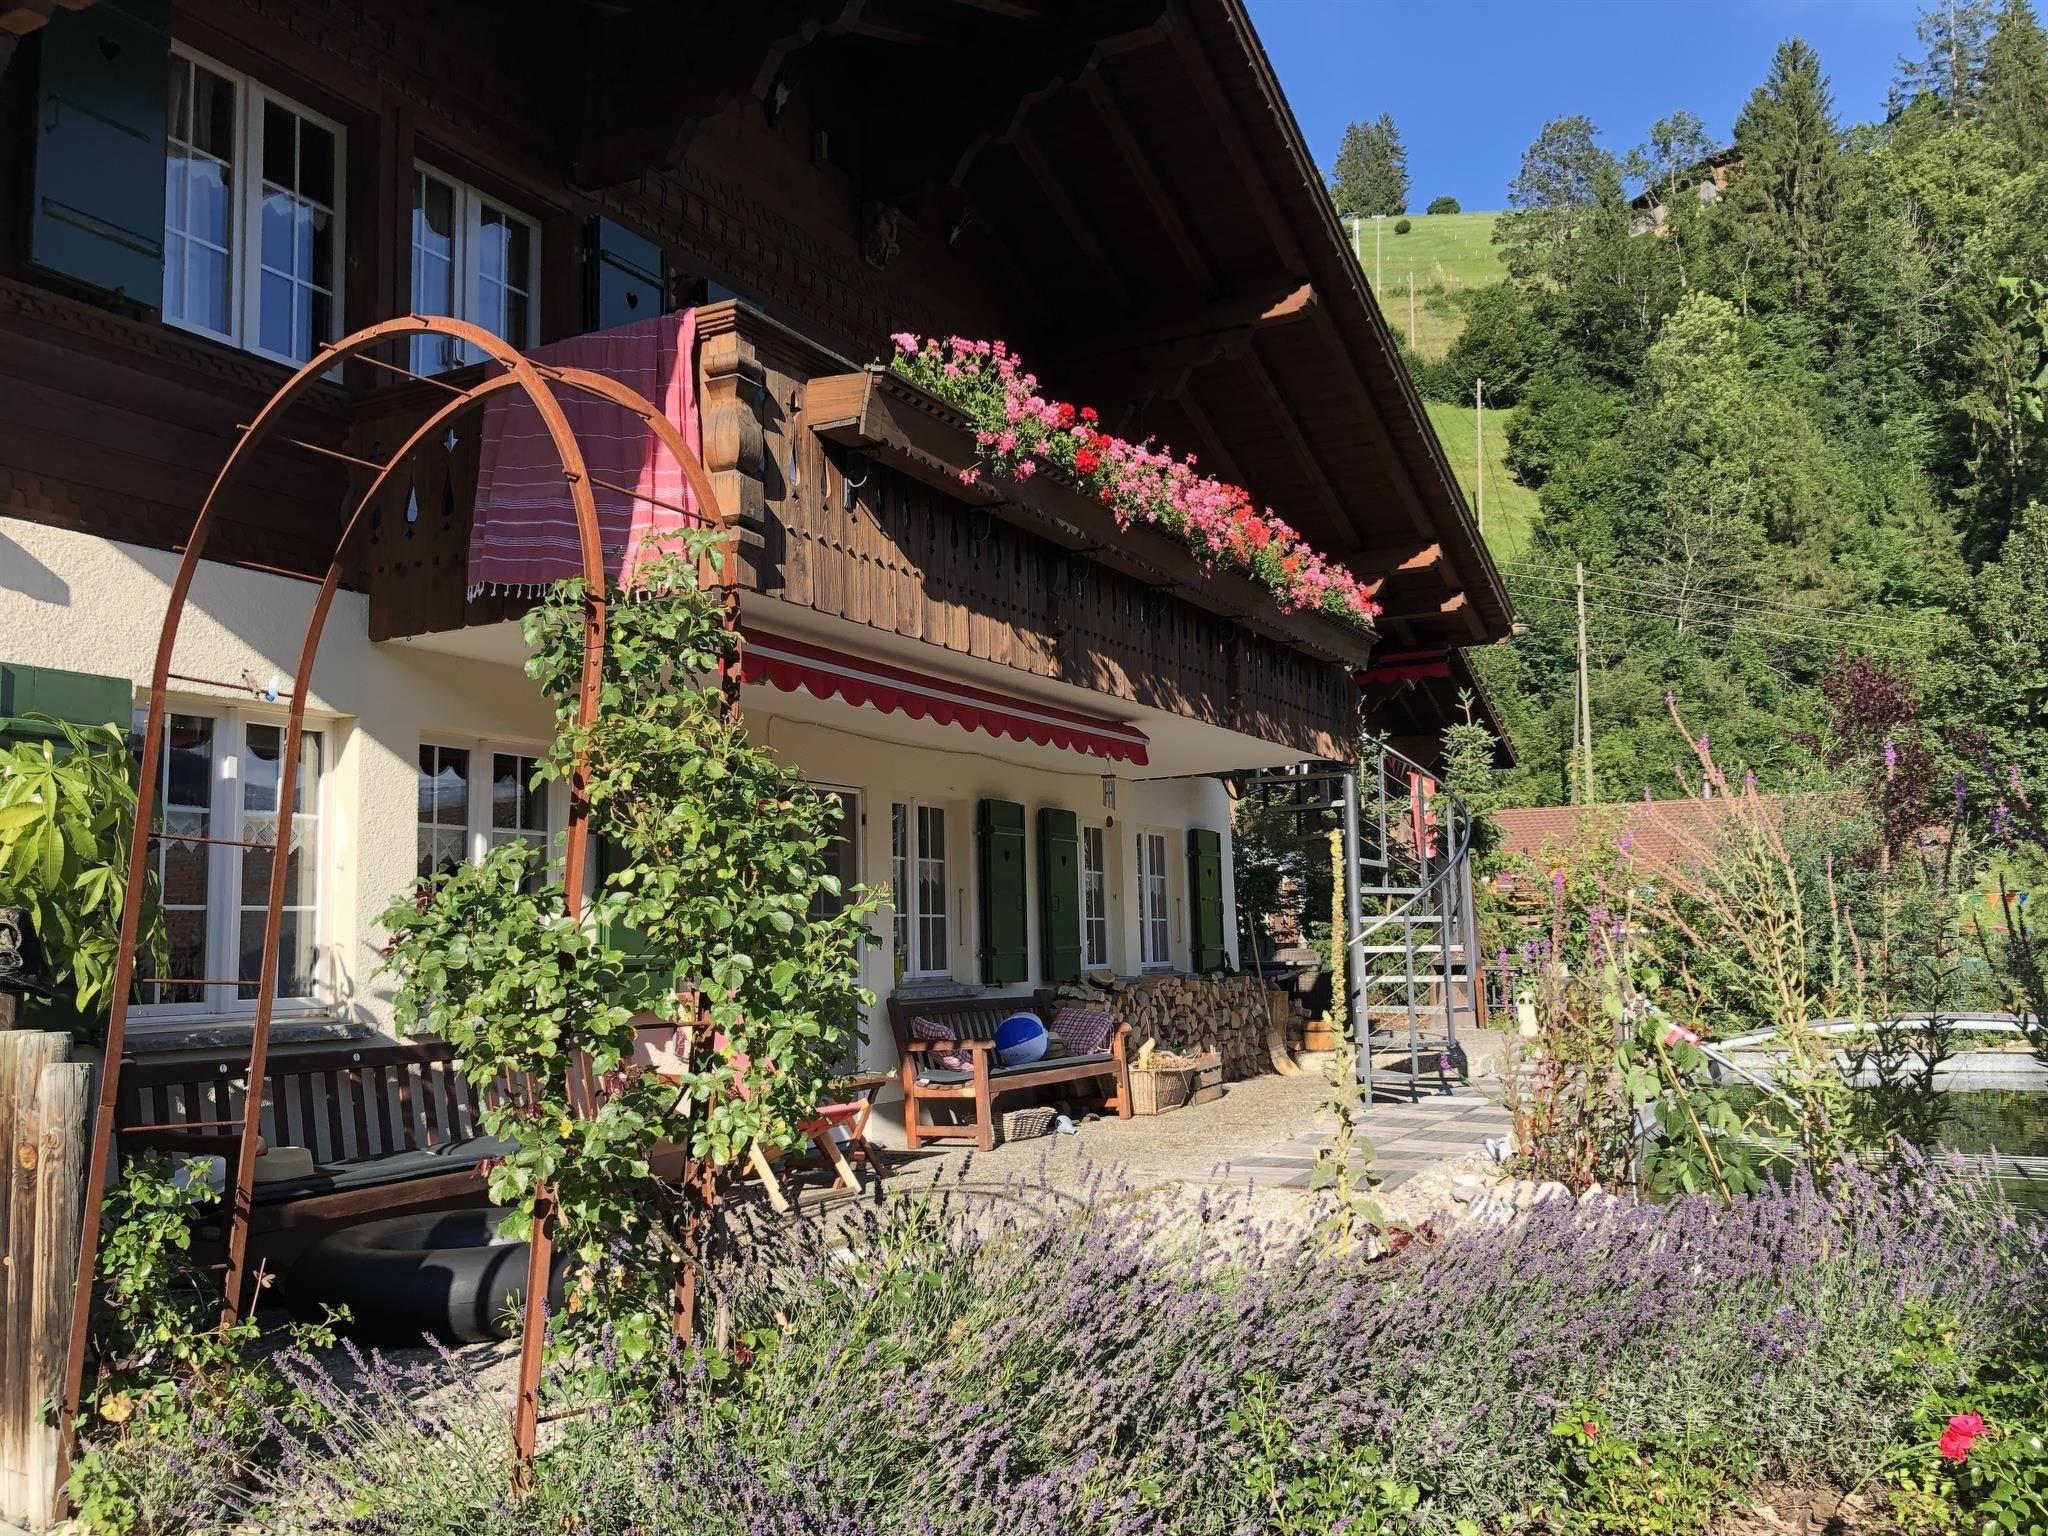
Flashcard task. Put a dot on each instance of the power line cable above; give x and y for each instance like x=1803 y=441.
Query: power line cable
x=1608 y=605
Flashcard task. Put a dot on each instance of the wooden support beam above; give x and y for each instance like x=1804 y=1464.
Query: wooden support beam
x=1394 y=555
x=1224 y=324
x=1419 y=607
x=1263 y=389
x=1139 y=165
x=911 y=150
x=652 y=75
x=1078 y=226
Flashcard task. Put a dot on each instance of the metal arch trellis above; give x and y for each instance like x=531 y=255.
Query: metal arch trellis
x=538 y=382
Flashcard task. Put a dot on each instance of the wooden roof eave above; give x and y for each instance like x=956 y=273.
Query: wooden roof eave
x=885 y=415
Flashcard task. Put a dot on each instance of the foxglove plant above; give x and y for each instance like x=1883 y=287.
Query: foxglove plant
x=1019 y=431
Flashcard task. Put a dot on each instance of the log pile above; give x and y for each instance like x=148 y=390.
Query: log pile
x=1188 y=1015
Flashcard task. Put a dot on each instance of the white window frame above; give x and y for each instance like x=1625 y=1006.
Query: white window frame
x=1155 y=924
x=245 y=215
x=907 y=932
x=469 y=209
x=479 y=836
x=1095 y=840
x=226 y=822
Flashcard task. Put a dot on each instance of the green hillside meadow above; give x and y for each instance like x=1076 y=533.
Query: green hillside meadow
x=1510 y=511
x=1445 y=253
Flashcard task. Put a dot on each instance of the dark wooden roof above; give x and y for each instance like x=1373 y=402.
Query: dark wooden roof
x=1132 y=186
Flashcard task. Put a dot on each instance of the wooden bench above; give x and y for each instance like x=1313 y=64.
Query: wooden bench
x=391 y=1126
x=973 y=1021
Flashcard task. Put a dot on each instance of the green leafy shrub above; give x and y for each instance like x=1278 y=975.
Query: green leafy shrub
x=1443 y=205
x=747 y=946
x=1651 y=1484
x=67 y=816
x=1402 y=226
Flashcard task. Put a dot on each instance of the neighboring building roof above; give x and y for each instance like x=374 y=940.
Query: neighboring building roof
x=1646 y=832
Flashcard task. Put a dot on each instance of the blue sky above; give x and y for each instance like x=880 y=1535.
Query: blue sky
x=1470 y=82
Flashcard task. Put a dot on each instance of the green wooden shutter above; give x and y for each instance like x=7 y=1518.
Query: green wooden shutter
x=1059 y=892
x=1205 y=897
x=625 y=276
x=97 y=215
x=1005 y=941
x=83 y=698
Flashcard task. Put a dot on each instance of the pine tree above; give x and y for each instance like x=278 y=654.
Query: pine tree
x=1371 y=175
x=1785 y=195
x=2016 y=81
x=1955 y=36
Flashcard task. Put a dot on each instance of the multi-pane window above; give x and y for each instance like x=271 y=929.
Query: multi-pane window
x=473 y=259
x=917 y=850
x=252 y=214
x=218 y=788
x=1094 y=899
x=1154 y=931
x=459 y=820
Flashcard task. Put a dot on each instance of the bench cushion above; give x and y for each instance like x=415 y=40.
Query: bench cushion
x=1100 y=1061
x=384 y=1168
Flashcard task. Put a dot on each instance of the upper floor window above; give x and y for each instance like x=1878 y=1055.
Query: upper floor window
x=474 y=259
x=252 y=214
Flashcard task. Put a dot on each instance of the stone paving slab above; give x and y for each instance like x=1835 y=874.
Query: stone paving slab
x=1407 y=1138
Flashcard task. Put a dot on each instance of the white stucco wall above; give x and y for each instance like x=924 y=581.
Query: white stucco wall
x=93 y=605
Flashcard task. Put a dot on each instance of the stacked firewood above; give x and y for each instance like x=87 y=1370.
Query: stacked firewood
x=1189 y=1015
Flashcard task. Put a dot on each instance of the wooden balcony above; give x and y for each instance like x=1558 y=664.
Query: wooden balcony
x=844 y=486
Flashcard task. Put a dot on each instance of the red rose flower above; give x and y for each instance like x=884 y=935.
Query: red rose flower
x=1086 y=461
x=1592 y=1429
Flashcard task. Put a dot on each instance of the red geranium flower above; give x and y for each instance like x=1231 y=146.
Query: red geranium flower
x=1592 y=1429
x=1088 y=413
x=1962 y=1432
x=1066 y=414
x=1086 y=460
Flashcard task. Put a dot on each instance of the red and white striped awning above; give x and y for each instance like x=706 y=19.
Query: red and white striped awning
x=791 y=664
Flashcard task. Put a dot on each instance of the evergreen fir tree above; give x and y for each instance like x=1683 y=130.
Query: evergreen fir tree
x=1371 y=174
x=1955 y=37
x=2016 y=81
x=1786 y=193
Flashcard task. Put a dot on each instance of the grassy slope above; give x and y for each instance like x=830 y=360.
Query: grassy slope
x=1510 y=508
x=1447 y=253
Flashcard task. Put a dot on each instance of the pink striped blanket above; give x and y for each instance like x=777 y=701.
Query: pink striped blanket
x=524 y=534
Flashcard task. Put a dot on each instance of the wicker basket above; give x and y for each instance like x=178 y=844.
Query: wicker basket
x=1207 y=1078
x=1155 y=1090
x=1023 y=1124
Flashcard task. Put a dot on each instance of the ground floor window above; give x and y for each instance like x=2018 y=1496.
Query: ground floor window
x=1154 y=932
x=842 y=854
x=460 y=819
x=917 y=856
x=1094 y=899
x=217 y=789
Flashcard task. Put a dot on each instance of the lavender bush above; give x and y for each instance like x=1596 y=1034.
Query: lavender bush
x=953 y=1364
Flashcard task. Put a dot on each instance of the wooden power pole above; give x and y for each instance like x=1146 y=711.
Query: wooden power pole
x=1411 y=309
x=1479 y=443
x=1582 y=726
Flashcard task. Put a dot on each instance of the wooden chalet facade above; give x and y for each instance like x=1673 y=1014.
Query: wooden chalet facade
x=197 y=193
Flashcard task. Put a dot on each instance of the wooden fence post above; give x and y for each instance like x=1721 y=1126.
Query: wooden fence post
x=64 y=1104
x=25 y=1056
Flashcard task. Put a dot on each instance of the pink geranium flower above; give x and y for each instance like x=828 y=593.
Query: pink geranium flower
x=1963 y=1432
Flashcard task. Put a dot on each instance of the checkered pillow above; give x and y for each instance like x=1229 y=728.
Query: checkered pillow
x=1087 y=1030
x=945 y=1061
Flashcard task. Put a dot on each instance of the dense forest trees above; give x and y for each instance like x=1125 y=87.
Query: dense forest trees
x=1795 y=428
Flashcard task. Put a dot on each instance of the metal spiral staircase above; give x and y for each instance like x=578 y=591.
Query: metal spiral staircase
x=1413 y=967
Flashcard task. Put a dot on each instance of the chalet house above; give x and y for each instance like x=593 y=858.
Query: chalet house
x=198 y=194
